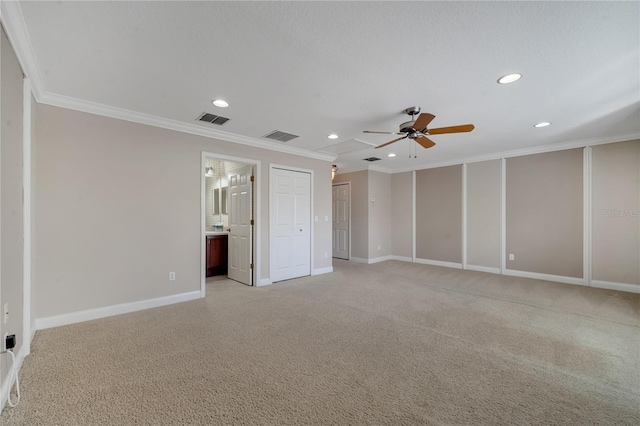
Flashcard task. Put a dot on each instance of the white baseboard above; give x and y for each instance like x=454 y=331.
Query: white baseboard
x=6 y=387
x=370 y=261
x=439 y=263
x=545 y=277
x=489 y=269
x=263 y=281
x=107 y=311
x=401 y=258
x=631 y=288
x=321 y=271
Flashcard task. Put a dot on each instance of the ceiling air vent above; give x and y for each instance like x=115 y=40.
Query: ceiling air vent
x=371 y=159
x=277 y=135
x=213 y=119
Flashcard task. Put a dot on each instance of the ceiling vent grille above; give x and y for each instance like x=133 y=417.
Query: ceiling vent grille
x=213 y=119
x=371 y=159
x=277 y=135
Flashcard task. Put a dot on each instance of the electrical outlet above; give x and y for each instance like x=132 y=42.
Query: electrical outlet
x=172 y=276
x=379 y=247
x=5 y=313
x=326 y=255
x=316 y=218
x=326 y=218
x=512 y=256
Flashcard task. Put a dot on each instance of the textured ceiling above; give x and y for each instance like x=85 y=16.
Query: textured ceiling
x=315 y=68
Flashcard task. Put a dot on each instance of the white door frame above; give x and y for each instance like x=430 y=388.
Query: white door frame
x=349 y=184
x=311 y=230
x=203 y=224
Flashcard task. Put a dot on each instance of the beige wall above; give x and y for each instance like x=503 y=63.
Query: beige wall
x=545 y=213
x=483 y=213
x=401 y=219
x=119 y=207
x=11 y=205
x=615 y=214
x=359 y=211
x=439 y=214
x=379 y=214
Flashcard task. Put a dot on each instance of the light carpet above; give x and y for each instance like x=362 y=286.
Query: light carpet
x=391 y=343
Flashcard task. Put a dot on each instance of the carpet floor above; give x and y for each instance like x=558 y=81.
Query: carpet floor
x=391 y=343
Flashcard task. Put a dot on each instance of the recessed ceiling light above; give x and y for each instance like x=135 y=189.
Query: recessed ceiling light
x=391 y=155
x=220 y=103
x=333 y=136
x=509 y=78
x=542 y=124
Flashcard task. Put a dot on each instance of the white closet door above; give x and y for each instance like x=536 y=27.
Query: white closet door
x=290 y=224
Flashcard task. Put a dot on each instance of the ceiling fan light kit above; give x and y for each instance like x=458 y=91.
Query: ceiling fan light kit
x=418 y=131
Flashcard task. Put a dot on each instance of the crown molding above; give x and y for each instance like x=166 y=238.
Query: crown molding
x=15 y=27
x=581 y=143
x=179 y=126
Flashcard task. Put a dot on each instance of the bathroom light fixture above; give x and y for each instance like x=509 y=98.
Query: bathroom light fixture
x=208 y=172
x=334 y=169
x=333 y=136
x=220 y=103
x=509 y=78
x=391 y=155
x=542 y=124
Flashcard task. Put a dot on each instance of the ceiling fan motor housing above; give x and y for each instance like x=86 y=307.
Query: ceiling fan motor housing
x=407 y=126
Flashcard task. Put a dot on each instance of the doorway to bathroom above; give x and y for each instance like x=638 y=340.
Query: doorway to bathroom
x=229 y=219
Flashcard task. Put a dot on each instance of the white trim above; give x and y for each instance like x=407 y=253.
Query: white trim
x=401 y=258
x=413 y=217
x=257 y=251
x=379 y=169
x=525 y=151
x=14 y=25
x=179 y=126
x=454 y=265
x=320 y=271
x=367 y=167
x=372 y=260
x=378 y=259
x=544 y=277
x=263 y=281
x=6 y=387
x=586 y=215
x=503 y=215
x=464 y=216
x=489 y=269
x=108 y=311
x=631 y=288
x=26 y=218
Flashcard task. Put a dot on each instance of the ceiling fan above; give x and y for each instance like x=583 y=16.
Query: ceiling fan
x=418 y=131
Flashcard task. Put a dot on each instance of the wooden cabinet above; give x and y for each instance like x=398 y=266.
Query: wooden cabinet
x=216 y=255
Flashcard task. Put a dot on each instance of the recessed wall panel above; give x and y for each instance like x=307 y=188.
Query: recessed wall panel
x=615 y=214
x=545 y=213
x=439 y=214
x=483 y=213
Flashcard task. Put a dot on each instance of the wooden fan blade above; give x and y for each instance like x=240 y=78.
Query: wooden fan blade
x=423 y=121
x=452 y=129
x=425 y=142
x=389 y=143
x=382 y=133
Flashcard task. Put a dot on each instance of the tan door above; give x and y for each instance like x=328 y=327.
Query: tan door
x=340 y=226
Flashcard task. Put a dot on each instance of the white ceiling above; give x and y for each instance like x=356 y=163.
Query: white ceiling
x=315 y=68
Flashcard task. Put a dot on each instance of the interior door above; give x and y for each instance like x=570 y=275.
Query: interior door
x=290 y=224
x=341 y=204
x=240 y=218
